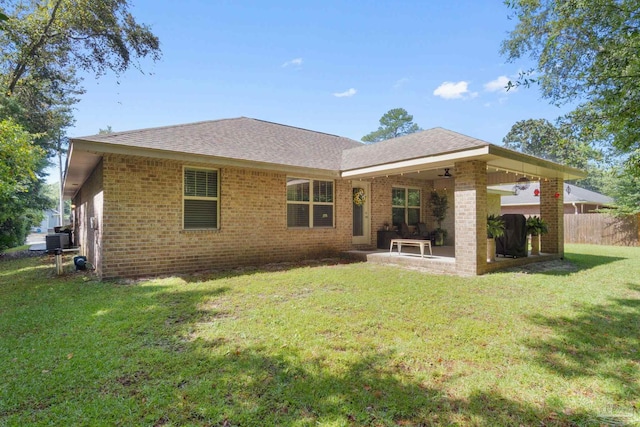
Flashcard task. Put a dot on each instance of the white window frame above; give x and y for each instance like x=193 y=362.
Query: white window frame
x=209 y=198
x=406 y=206
x=311 y=203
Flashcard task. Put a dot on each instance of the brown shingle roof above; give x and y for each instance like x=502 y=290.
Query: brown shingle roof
x=240 y=138
x=420 y=144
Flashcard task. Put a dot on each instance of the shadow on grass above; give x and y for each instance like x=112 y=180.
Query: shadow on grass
x=601 y=341
x=131 y=355
x=221 y=381
x=252 y=388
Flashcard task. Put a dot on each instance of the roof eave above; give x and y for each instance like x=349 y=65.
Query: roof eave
x=535 y=165
x=406 y=166
x=85 y=155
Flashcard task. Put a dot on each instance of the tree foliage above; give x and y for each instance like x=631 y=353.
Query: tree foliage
x=43 y=46
x=539 y=137
x=19 y=159
x=586 y=52
x=51 y=37
x=21 y=200
x=395 y=122
x=625 y=190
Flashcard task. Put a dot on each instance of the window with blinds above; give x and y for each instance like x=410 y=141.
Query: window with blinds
x=201 y=207
x=309 y=203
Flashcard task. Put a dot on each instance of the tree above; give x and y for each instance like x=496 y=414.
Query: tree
x=395 y=122
x=586 y=52
x=21 y=201
x=43 y=44
x=624 y=188
x=52 y=36
x=539 y=137
x=105 y=131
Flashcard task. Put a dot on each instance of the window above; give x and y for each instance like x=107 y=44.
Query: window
x=309 y=203
x=405 y=204
x=201 y=208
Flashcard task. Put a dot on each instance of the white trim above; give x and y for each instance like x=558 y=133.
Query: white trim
x=408 y=165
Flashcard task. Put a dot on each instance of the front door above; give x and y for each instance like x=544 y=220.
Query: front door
x=361 y=200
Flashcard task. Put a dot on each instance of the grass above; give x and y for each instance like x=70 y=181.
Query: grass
x=17 y=249
x=328 y=345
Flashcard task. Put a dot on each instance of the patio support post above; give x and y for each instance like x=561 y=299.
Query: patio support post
x=552 y=211
x=471 y=217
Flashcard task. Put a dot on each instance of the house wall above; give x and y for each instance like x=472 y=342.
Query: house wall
x=381 y=204
x=89 y=204
x=142 y=225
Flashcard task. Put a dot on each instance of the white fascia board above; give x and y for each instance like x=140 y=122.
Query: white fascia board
x=566 y=172
x=416 y=164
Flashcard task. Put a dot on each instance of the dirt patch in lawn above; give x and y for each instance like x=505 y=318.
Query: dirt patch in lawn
x=555 y=266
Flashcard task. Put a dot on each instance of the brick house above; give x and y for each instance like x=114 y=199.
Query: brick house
x=225 y=193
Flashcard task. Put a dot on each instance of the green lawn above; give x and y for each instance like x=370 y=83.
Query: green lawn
x=329 y=345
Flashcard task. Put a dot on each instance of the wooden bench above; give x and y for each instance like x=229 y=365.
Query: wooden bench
x=411 y=242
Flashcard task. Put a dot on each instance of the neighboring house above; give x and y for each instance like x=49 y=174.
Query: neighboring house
x=576 y=200
x=49 y=221
x=225 y=193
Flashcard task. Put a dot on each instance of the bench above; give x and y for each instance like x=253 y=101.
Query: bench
x=411 y=242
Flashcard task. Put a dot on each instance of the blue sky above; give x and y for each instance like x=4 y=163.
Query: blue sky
x=330 y=66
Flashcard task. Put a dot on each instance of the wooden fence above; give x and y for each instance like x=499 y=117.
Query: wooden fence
x=601 y=229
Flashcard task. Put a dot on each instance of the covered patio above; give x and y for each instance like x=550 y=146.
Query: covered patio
x=463 y=168
x=443 y=260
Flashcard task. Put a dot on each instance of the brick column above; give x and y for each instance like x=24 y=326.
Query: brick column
x=471 y=217
x=552 y=211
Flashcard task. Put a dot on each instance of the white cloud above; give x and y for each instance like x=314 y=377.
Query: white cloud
x=346 y=93
x=398 y=84
x=297 y=62
x=451 y=90
x=499 y=85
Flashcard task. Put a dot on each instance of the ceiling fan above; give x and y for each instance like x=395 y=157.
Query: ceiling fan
x=446 y=174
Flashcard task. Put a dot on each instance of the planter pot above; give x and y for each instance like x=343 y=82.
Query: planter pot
x=535 y=245
x=438 y=239
x=491 y=250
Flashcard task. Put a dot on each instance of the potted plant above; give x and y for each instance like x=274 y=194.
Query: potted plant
x=495 y=228
x=536 y=226
x=439 y=206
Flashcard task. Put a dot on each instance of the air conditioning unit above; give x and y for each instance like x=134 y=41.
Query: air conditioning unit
x=57 y=241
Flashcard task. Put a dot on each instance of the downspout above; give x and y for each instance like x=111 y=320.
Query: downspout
x=575 y=208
